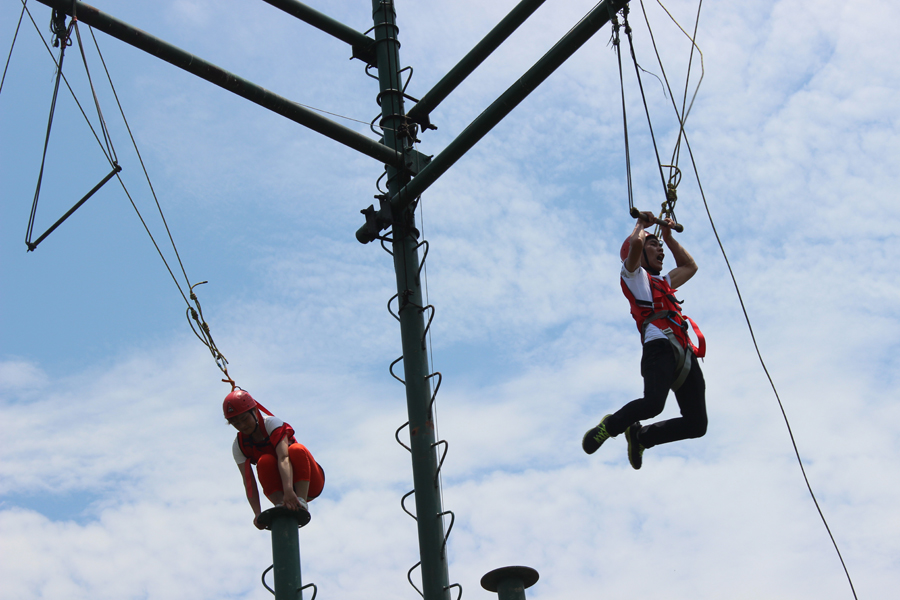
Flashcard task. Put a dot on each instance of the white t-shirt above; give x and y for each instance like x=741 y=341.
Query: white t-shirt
x=639 y=286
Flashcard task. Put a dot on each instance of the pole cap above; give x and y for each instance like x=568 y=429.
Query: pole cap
x=491 y=581
x=266 y=517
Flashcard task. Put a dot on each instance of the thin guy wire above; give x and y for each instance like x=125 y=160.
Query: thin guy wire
x=109 y=145
x=144 y=168
x=321 y=110
x=766 y=370
x=685 y=108
x=681 y=118
x=63 y=43
x=643 y=95
x=71 y=91
x=617 y=43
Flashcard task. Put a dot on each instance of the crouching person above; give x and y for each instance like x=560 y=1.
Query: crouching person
x=287 y=471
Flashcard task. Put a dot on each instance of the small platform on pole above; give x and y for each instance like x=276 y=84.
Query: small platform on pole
x=266 y=517
x=510 y=582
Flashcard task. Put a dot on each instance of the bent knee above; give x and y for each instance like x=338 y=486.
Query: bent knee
x=653 y=408
x=698 y=429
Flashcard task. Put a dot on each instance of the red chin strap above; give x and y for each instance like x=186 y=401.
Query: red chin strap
x=647 y=262
x=260 y=422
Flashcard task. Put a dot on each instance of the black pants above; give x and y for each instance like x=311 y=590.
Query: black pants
x=658 y=369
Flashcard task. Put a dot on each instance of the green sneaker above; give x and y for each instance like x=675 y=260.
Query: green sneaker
x=595 y=436
x=635 y=449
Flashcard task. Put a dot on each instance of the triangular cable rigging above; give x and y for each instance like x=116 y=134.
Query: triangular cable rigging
x=63 y=38
x=194 y=311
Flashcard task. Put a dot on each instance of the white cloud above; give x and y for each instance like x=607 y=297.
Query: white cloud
x=117 y=404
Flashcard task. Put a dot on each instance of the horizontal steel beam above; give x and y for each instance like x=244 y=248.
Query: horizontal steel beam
x=362 y=44
x=228 y=81
x=518 y=15
x=503 y=105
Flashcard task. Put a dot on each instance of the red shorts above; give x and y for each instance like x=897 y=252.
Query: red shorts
x=305 y=469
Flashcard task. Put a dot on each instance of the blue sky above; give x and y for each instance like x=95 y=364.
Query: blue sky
x=116 y=479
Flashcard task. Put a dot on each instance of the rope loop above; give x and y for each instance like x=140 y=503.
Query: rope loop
x=205 y=336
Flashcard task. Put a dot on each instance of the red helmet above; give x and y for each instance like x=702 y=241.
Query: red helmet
x=238 y=402
x=626 y=247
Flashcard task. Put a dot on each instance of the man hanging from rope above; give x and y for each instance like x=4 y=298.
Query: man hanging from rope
x=669 y=355
x=289 y=474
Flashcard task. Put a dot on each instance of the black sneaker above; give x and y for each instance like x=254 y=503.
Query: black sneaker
x=595 y=436
x=635 y=449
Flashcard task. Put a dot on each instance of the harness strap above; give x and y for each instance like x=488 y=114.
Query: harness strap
x=684 y=361
x=701 y=341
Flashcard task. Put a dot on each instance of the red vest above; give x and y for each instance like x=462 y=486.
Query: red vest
x=667 y=312
x=254 y=450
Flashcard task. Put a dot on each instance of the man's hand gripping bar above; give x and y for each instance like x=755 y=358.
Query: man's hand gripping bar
x=635 y=213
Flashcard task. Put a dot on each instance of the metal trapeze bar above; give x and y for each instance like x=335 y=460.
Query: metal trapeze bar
x=222 y=78
x=33 y=245
x=518 y=15
x=363 y=45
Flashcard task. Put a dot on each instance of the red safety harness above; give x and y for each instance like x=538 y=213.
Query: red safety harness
x=665 y=313
x=254 y=450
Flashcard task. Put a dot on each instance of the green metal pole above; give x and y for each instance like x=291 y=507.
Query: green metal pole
x=222 y=78
x=435 y=577
x=361 y=43
x=285 y=549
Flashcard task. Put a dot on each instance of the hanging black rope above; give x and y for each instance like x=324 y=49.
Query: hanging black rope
x=762 y=362
x=61 y=40
x=637 y=71
x=614 y=19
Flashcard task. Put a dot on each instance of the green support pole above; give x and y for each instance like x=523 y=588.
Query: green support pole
x=285 y=549
x=435 y=577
